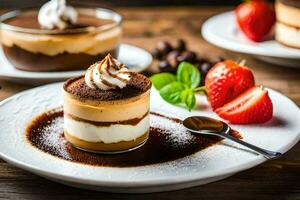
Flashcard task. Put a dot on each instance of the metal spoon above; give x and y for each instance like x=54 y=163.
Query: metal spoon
x=209 y=126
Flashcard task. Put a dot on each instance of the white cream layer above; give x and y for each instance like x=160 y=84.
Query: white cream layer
x=287 y=35
x=110 y=134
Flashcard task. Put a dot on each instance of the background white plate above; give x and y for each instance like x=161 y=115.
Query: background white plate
x=214 y=163
x=135 y=58
x=222 y=30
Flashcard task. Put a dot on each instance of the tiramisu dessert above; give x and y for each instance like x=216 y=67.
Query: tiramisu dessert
x=107 y=110
x=287 y=30
x=59 y=37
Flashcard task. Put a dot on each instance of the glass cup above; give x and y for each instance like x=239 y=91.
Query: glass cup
x=30 y=48
x=105 y=126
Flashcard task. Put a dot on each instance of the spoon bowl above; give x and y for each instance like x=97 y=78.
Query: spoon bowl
x=206 y=125
x=209 y=126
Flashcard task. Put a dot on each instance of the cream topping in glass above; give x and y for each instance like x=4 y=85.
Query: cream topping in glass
x=107 y=74
x=56 y=14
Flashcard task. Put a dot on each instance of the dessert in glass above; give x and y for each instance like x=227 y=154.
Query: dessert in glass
x=107 y=109
x=287 y=30
x=59 y=37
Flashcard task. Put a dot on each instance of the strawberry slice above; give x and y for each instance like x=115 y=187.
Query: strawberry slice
x=252 y=106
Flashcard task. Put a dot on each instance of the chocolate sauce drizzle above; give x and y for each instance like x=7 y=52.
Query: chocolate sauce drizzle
x=45 y=132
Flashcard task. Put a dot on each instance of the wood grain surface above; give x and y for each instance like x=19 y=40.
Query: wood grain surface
x=277 y=179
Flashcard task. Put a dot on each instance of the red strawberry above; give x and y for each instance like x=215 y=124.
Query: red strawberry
x=255 y=18
x=253 y=106
x=225 y=81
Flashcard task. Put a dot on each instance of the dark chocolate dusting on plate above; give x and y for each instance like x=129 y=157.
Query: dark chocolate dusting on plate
x=137 y=85
x=168 y=141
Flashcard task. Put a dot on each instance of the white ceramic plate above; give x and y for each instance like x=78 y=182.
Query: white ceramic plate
x=222 y=30
x=215 y=163
x=135 y=58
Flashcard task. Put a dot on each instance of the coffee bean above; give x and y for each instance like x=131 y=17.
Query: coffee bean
x=188 y=56
x=165 y=66
x=172 y=58
x=180 y=45
x=157 y=54
x=205 y=67
x=164 y=47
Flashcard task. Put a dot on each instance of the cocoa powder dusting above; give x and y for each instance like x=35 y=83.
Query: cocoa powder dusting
x=168 y=141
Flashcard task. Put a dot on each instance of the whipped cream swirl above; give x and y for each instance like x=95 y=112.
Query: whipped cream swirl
x=107 y=74
x=56 y=14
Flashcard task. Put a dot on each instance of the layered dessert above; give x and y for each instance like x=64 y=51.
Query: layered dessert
x=107 y=109
x=59 y=37
x=287 y=30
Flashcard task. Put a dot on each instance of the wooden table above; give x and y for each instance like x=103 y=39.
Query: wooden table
x=278 y=179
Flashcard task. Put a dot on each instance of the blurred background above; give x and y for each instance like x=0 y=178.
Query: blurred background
x=108 y=3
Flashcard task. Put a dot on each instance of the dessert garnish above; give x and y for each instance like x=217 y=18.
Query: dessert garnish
x=231 y=91
x=168 y=57
x=229 y=86
x=226 y=80
x=179 y=89
x=256 y=19
x=56 y=14
x=107 y=74
x=252 y=106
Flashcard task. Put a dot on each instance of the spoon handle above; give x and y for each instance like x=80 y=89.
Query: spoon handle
x=266 y=153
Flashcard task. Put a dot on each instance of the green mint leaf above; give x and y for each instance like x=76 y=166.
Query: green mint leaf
x=171 y=92
x=188 y=98
x=162 y=79
x=188 y=74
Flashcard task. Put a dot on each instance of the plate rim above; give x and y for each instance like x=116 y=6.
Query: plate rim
x=138 y=183
x=226 y=44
